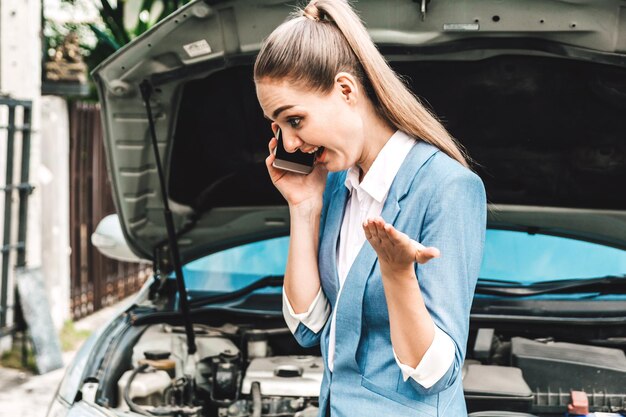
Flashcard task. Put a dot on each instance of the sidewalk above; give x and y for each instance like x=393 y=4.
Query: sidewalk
x=23 y=394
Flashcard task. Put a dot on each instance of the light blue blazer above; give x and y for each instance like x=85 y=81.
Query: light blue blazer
x=438 y=202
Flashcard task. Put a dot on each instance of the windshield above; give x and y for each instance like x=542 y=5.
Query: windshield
x=531 y=258
x=237 y=267
x=509 y=255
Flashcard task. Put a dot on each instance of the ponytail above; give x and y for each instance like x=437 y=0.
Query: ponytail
x=328 y=37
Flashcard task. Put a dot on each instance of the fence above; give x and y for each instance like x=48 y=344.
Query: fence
x=15 y=120
x=96 y=280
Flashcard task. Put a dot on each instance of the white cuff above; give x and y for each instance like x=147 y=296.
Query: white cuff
x=435 y=362
x=314 y=318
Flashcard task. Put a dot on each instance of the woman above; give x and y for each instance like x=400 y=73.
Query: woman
x=391 y=320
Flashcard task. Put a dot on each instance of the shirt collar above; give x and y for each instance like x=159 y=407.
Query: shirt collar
x=381 y=174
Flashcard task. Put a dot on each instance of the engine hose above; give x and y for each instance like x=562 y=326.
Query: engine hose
x=134 y=407
x=257 y=405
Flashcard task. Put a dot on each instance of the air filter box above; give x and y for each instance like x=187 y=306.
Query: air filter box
x=490 y=387
x=567 y=366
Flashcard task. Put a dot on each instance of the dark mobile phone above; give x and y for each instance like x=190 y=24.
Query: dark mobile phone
x=298 y=162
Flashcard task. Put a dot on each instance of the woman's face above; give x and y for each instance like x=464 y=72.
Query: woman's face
x=311 y=119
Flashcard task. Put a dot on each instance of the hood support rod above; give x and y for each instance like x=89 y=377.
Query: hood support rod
x=146 y=93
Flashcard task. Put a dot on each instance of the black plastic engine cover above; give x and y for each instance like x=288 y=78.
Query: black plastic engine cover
x=560 y=366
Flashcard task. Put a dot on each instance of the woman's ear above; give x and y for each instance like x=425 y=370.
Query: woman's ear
x=347 y=87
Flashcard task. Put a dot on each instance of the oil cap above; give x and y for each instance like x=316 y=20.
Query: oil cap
x=156 y=355
x=288 y=371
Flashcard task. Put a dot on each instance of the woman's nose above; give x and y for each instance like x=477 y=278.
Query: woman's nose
x=291 y=142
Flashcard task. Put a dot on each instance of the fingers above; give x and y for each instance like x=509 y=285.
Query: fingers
x=272 y=145
x=275 y=174
x=378 y=232
x=418 y=246
x=367 y=228
x=396 y=236
x=424 y=254
x=386 y=231
x=269 y=161
x=373 y=229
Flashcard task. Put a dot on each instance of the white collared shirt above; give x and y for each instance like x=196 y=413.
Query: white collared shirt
x=366 y=201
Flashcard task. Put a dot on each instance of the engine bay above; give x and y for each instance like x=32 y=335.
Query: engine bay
x=239 y=371
x=233 y=373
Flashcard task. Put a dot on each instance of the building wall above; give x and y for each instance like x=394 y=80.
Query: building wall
x=20 y=77
x=54 y=187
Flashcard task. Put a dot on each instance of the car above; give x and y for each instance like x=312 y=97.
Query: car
x=536 y=92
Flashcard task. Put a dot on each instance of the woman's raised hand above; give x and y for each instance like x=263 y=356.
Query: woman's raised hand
x=395 y=250
x=297 y=188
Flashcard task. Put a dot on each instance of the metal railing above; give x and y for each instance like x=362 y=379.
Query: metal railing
x=96 y=281
x=17 y=132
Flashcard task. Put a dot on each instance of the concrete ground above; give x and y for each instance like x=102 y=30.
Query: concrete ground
x=23 y=394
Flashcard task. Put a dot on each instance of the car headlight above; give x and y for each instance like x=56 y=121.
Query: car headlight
x=58 y=408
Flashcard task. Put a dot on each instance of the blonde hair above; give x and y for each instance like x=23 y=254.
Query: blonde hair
x=327 y=37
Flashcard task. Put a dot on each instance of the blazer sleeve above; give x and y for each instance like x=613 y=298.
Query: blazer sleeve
x=455 y=223
x=306 y=326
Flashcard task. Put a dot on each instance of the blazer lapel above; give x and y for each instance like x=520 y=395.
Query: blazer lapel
x=417 y=157
x=348 y=320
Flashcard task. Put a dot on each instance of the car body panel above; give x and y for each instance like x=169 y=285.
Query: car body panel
x=204 y=38
x=541 y=176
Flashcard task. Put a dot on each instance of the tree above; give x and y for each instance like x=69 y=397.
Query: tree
x=120 y=22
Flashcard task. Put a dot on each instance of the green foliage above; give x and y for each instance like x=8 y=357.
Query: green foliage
x=71 y=337
x=121 y=22
x=130 y=18
x=13 y=358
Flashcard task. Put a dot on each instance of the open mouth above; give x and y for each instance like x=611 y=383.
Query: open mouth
x=319 y=154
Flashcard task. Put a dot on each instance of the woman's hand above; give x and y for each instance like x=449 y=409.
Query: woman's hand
x=395 y=250
x=297 y=189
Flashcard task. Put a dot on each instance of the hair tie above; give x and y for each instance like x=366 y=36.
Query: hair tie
x=311 y=12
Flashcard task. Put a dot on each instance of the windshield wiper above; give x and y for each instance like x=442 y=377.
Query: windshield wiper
x=492 y=281
x=485 y=286
x=613 y=284
x=268 y=281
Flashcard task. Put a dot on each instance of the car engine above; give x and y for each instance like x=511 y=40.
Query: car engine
x=217 y=380
x=235 y=373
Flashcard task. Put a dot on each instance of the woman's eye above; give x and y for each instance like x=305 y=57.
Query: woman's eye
x=294 y=122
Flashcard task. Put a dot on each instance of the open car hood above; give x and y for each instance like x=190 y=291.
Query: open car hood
x=535 y=90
